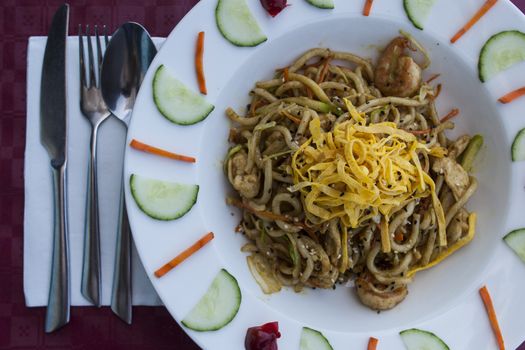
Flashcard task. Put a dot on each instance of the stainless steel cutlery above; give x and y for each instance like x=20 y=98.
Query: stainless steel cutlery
x=95 y=110
x=103 y=91
x=127 y=59
x=53 y=135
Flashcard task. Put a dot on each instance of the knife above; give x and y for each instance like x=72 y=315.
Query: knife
x=53 y=136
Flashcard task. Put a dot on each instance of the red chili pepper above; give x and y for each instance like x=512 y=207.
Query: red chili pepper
x=274 y=6
x=262 y=337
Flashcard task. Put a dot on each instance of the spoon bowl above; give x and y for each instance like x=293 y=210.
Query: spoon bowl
x=126 y=61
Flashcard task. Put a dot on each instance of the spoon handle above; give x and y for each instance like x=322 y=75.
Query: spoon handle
x=121 y=293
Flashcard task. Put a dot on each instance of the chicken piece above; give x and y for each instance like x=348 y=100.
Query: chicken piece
x=455 y=176
x=457 y=226
x=248 y=184
x=458 y=146
x=379 y=299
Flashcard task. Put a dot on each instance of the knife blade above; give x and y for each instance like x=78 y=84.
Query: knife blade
x=53 y=136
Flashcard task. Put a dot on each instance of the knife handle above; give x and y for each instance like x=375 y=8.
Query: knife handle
x=121 y=293
x=90 y=285
x=57 y=312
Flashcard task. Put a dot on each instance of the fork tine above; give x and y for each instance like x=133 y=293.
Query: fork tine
x=106 y=41
x=99 y=55
x=82 y=65
x=92 y=76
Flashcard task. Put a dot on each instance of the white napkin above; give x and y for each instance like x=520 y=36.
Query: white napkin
x=38 y=216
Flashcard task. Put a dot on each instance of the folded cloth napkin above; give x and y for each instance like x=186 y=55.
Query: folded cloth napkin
x=38 y=211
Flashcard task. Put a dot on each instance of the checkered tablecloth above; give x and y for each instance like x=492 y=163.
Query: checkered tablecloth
x=90 y=328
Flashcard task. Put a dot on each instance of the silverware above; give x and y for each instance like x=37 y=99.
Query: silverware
x=128 y=56
x=53 y=135
x=95 y=110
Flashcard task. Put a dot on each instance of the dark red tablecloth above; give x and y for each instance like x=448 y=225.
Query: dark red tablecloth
x=90 y=328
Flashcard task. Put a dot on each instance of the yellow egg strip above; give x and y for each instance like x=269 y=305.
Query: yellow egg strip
x=457 y=245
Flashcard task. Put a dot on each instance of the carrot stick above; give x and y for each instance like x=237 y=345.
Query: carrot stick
x=269 y=215
x=160 y=152
x=368 y=7
x=435 y=76
x=511 y=96
x=398 y=237
x=291 y=117
x=485 y=296
x=262 y=213
x=454 y=112
x=372 y=343
x=315 y=64
x=420 y=132
x=324 y=70
x=309 y=93
x=285 y=74
x=199 y=67
x=438 y=91
x=481 y=12
x=184 y=255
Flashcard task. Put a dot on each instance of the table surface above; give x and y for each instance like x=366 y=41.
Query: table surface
x=21 y=327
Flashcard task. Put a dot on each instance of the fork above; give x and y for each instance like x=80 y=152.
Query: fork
x=95 y=110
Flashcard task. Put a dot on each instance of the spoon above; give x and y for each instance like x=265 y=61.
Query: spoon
x=127 y=58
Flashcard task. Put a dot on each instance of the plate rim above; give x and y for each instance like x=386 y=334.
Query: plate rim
x=198 y=7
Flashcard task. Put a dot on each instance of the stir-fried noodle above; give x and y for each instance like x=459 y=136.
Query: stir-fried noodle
x=343 y=171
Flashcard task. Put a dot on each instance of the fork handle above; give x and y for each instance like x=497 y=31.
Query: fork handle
x=90 y=286
x=121 y=293
x=58 y=304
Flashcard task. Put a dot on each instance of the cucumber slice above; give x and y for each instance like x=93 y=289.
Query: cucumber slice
x=237 y=24
x=466 y=159
x=314 y=340
x=418 y=11
x=518 y=146
x=176 y=102
x=417 y=339
x=162 y=200
x=217 y=307
x=322 y=4
x=516 y=241
x=500 y=52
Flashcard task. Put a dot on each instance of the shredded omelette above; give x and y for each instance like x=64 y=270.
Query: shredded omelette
x=359 y=172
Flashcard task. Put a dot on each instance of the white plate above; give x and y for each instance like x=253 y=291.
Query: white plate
x=444 y=299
